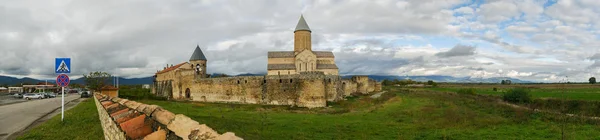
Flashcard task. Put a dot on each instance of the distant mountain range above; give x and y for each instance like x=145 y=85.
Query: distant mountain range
x=448 y=79
x=7 y=80
x=11 y=81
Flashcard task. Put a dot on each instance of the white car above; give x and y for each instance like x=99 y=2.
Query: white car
x=30 y=96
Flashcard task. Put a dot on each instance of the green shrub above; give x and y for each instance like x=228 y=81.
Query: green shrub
x=495 y=89
x=517 y=95
x=470 y=91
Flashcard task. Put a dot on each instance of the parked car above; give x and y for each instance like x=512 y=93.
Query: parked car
x=51 y=95
x=18 y=95
x=85 y=94
x=30 y=96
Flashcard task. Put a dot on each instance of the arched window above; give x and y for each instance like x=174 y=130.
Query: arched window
x=245 y=81
x=238 y=81
x=290 y=80
x=280 y=81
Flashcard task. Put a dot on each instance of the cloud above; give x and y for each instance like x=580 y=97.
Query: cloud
x=396 y=37
x=458 y=50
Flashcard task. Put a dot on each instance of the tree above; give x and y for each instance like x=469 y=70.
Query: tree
x=387 y=82
x=96 y=80
x=503 y=82
x=430 y=82
x=592 y=80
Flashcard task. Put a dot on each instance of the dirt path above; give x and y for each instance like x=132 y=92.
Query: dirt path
x=378 y=94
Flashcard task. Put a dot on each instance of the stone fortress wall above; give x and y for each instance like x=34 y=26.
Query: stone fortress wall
x=307 y=89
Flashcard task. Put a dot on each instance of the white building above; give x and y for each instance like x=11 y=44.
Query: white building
x=15 y=89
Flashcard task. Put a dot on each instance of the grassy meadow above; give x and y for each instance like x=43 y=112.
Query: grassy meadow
x=81 y=123
x=398 y=114
x=559 y=91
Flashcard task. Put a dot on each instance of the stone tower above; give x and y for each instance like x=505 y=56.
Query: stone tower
x=198 y=61
x=302 y=36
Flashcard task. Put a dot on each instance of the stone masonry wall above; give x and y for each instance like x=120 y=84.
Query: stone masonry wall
x=123 y=119
x=308 y=89
x=110 y=128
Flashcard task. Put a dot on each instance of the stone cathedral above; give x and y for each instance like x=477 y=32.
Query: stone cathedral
x=303 y=78
x=303 y=58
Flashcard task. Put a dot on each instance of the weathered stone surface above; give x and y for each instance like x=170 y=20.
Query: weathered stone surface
x=163 y=116
x=149 y=109
x=183 y=127
x=203 y=132
x=141 y=107
x=157 y=135
x=123 y=101
x=132 y=104
x=115 y=99
x=228 y=136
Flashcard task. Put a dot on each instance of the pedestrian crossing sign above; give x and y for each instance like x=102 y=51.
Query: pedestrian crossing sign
x=62 y=65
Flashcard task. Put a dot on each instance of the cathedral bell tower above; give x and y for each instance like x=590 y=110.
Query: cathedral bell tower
x=198 y=61
x=302 y=36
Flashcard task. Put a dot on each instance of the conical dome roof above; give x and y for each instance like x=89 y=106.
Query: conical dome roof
x=302 y=26
x=198 y=55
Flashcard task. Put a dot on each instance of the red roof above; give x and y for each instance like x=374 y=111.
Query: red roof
x=171 y=68
x=109 y=87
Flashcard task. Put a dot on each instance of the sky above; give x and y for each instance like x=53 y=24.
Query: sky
x=536 y=40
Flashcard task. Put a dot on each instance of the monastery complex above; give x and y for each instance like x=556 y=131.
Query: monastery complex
x=302 y=77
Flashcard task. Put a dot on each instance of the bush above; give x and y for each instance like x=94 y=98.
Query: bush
x=470 y=91
x=495 y=89
x=517 y=95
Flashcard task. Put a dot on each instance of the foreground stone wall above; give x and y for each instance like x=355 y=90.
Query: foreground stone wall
x=110 y=128
x=123 y=119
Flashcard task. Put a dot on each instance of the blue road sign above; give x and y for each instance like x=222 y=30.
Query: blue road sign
x=62 y=65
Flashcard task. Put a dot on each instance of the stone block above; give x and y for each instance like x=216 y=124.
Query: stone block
x=228 y=136
x=123 y=101
x=157 y=135
x=141 y=107
x=163 y=116
x=115 y=99
x=203 y=132
x=183 y=126
x=132 y=104
x=149 y=109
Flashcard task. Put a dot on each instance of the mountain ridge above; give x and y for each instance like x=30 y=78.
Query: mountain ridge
x=8 y=80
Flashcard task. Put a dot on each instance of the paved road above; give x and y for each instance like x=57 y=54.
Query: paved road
x=16 y=117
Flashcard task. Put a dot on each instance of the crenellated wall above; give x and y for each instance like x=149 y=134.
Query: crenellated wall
x=123 y=119
x=306 y=89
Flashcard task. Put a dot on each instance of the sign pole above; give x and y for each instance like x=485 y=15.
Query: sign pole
x=62 y=67
x=62 y=108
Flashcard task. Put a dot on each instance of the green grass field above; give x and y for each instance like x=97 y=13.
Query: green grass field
x=414 y=115
x=574 y=92
x=81 y=123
